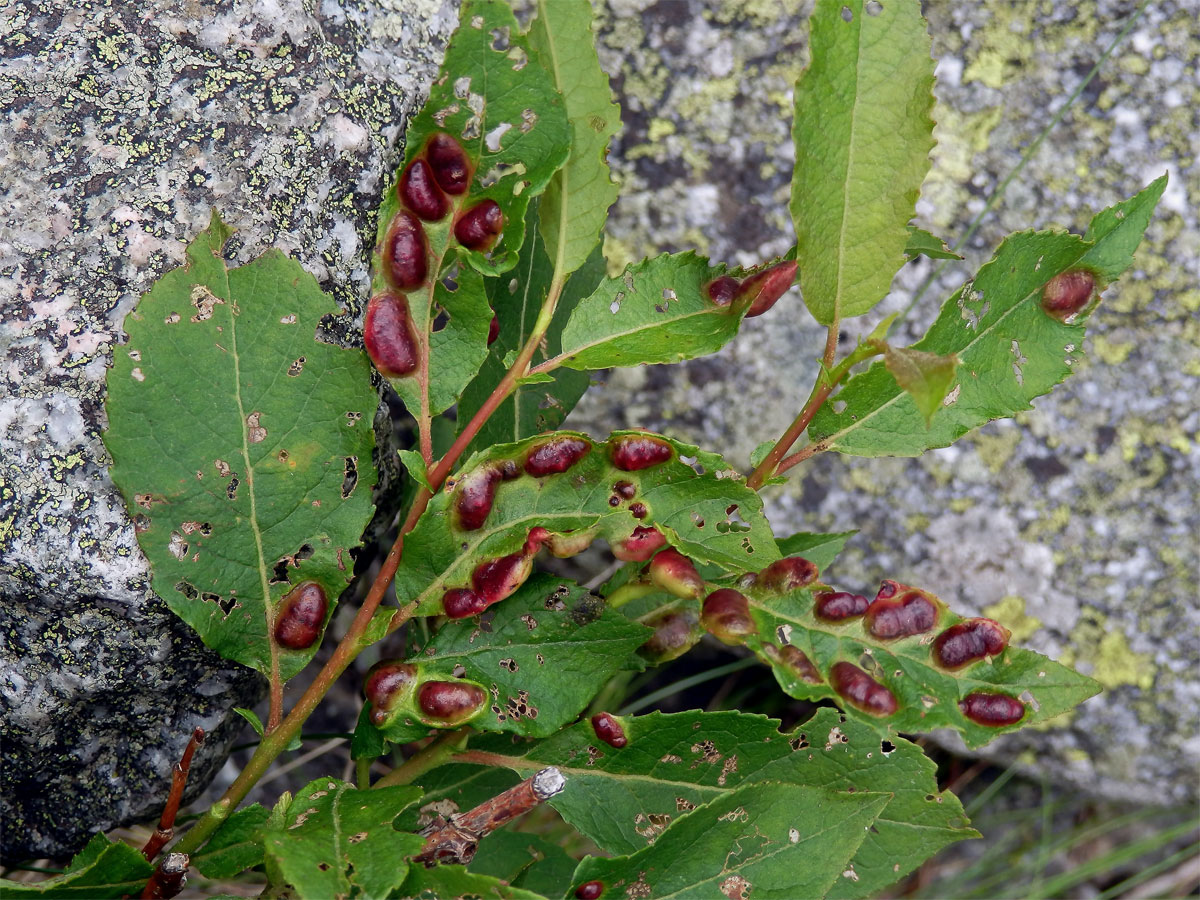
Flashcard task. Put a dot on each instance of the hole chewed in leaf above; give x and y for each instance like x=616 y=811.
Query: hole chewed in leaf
x=350 y=478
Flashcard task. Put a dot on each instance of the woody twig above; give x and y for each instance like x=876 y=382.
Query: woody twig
x=455 y=841
x=166 y=824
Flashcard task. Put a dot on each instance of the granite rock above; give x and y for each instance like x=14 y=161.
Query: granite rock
x=125 y=124
x=1076 y=524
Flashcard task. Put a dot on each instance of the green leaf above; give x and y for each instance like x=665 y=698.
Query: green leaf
x=575 y=205
x=623 y=799
x=927 y=696
x=236 y=847
x=526 y=861
x=338 y=841
x=415 y=466
x=657 y=311
x=922 y=243
x=1116 y=232
x=695 y=511
x=252 y=717
x=550 y=648
x=863 y=131
x=761 y=840
x=820 y=549
x=456 y=881
x=1009 y=349
x=531 y=409
x=102 y=869
x=926 y=377
x=242 y=445
x=368 y=741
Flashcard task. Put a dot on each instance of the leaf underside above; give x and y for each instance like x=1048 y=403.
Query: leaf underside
x=863 y=132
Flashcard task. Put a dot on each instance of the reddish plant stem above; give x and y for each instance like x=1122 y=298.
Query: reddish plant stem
x=179 y=777
x=168 y=878
x=828 y=380
x=801 y=455
x=275 y=707
x=831 y=342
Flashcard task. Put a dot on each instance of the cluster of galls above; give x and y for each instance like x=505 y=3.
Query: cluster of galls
x=475 y=494
x=897 y=612
x=759 y=292
x=427 y=190
x=396 y=689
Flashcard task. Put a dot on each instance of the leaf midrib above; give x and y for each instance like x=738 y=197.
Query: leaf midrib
x=232 y=306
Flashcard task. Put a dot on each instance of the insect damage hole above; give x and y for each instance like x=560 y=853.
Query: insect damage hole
x=874 y=7
x=492 y=139
x=519 y=58
x=615 y=306
x=255 y=433
x=847 y=14
x=297 y=366
x=500 y=39
x=1019 y=360
x=528 y=120
x=350 y=479
x=205 y=301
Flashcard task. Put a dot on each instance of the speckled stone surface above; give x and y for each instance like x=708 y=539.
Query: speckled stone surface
x=124 y=124
x=1076 y=525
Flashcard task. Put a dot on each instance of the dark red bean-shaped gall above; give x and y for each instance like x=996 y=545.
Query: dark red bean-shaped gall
x=388 y=335
x=474 y=496
x=993 y=710
x=626 y=489
x=838 y=606
x=387 y=685
x=767 y=287
x=675 y=633
x=496 y=579
x=479 y=226
x=640 y=545
x=726 y=616
x=405 y=255
x=787 y=574
x=420 y=193
x=459 y=603
x=493 y=330
x=968 y=642
x=638 y=510
x=609 y=730
x=722 y=290
x=794 y=659
x=634 y=452
x=1067 y=293
x=676 y=574
x=451 y=702
x=300 y=616
x=590 y=890
x=861 y=690
x=555 y=456
x=904 y=615
x=449 y=163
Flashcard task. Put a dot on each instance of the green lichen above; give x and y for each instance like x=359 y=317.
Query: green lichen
x=1010 y=612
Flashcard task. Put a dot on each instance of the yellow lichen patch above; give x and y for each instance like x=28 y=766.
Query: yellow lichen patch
x=1117 y=664
x=996 y=448
x=1112 y=353
x=1010 y=612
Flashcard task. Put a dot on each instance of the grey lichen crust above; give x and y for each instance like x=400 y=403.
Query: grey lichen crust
x=125 y=122
x=1076 y=524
